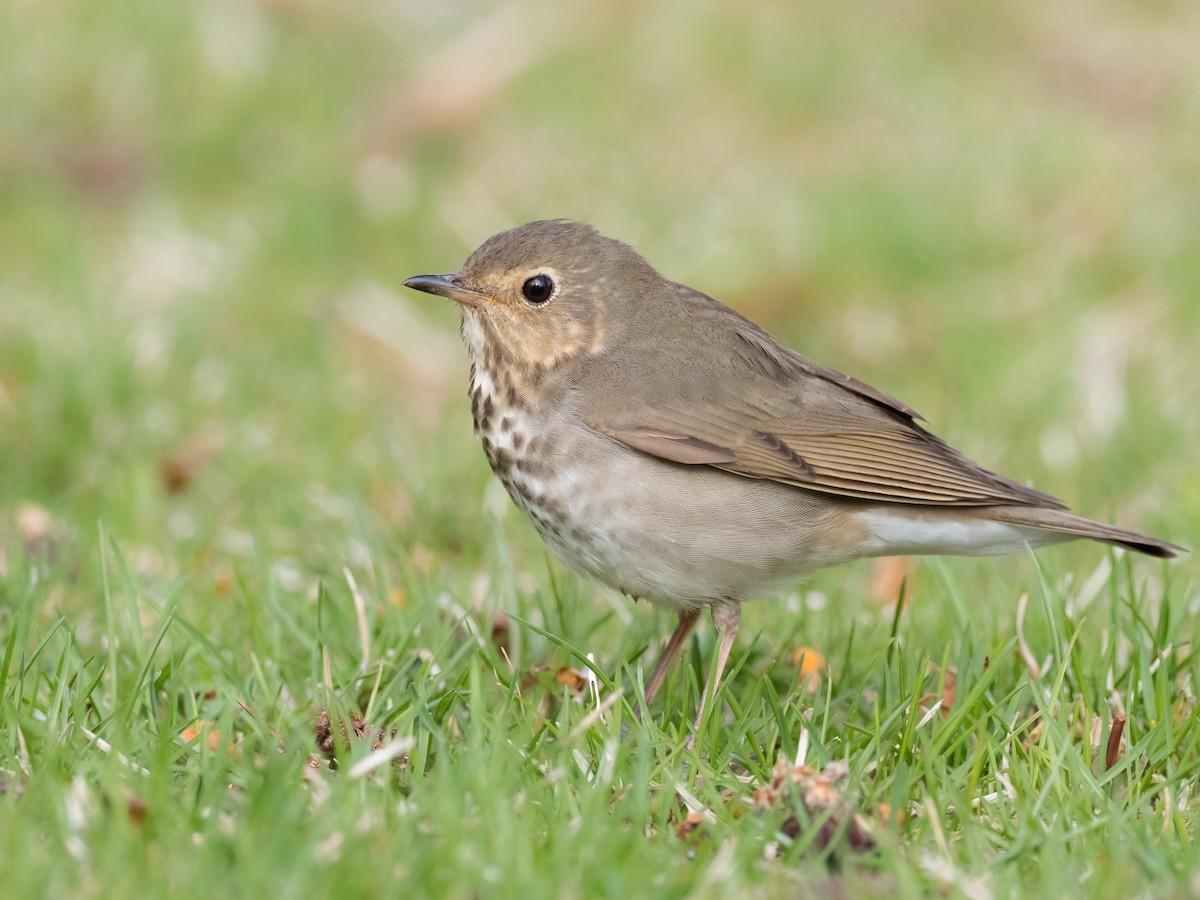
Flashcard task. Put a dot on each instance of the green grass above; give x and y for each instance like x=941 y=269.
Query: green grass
x=215 y=402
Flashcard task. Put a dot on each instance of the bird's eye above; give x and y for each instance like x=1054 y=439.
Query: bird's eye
x=538 y=289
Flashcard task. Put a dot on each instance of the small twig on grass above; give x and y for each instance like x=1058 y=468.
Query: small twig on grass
x=1112 y=753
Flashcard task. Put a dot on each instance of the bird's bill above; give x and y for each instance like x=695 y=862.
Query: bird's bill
x=448 y=286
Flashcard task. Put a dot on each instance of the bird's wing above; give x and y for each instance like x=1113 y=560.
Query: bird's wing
x=759 y=410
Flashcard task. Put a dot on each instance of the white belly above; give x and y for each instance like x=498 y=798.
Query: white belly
x=893 y=533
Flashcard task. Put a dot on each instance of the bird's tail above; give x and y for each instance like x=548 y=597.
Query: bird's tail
x=1065 y=523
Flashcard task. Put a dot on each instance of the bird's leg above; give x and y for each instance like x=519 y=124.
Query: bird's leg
x=726 y=616
x=687 y=621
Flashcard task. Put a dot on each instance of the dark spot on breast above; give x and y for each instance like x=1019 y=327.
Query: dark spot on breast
x=553 y=507
x=506 y=424
x=502 y=460
x=518 y=439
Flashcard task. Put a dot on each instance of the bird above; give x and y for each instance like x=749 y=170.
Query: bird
x=664 y=445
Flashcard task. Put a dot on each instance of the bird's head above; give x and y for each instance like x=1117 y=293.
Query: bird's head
x=545 y=293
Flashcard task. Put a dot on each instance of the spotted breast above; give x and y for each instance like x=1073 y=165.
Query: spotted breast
x=518 y=442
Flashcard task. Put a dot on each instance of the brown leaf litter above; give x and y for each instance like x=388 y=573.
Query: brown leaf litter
x=358 y=730
x=823 y=801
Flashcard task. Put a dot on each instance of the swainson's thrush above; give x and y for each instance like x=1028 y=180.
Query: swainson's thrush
x=668 y=447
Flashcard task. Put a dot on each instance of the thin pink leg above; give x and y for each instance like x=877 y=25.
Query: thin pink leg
x=726 y=616
x=687 y=621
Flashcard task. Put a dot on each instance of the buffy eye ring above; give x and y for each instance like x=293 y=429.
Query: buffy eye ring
x=538 y=289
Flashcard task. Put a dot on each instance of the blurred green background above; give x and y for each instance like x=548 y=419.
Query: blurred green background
x=990 y=211
x=993 y=213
